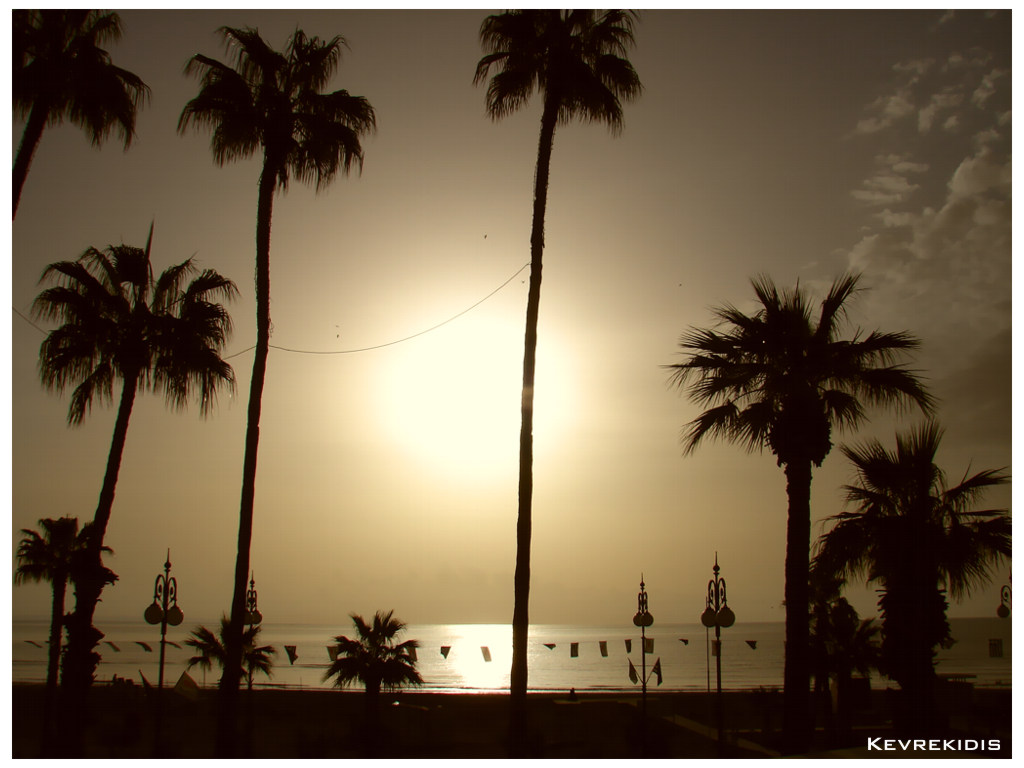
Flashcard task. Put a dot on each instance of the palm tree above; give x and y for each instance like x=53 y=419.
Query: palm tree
x=576 y=61
x=780 y=380
x=920 y=539
x=374 y=659
x=270 y=101
x=841 y=642
x=61 y=72
x=118 y=322
x=50 y=557
x=255 y=658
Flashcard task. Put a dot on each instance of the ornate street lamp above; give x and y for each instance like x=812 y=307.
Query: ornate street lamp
x=1005 y=602
x=252 y=614
x=164 y=609
x=643 y=619
x=717 y=614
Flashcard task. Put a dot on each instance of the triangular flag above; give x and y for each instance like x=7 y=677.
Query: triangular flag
x=574 y=650
x=445 y=649
x=684 y=641
x=604 y=648
x=550 y=646
x=145 y=646
x=648 y=645
x=292 y=655
x=486 y=652
x=633 y=677
x=33 y=642
x=112 y=645
x=171 y=642
x=629 y=646
x=751 y=643
x=146 y=684
x=187 y=687
x=412 y=654
x=332 y=651
x=656 y=670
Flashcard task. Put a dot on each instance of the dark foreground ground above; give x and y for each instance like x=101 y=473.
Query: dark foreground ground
x=331 y=724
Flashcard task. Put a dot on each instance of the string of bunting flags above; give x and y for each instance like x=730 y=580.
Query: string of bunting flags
x=574 y=650
x=332 y=650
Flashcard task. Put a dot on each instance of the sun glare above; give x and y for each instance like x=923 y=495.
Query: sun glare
x=481 y=655
x=453 y=400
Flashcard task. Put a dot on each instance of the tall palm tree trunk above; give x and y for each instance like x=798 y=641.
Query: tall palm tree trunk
x=796 y=677
x=80 y=659
x=524 y=524
x=56 y=632
x=29 y=141
x=229 y=684
x=914 y=623
x=60 y=584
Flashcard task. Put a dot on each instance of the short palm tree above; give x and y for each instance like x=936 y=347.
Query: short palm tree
x=373 y=657
x=782 y=379
x=842 y=644
x=61 y=72
x=211 y=647
x=271 y=102
x=920 y=540
x=576 y=61
x=120 y=323
x=50 y=556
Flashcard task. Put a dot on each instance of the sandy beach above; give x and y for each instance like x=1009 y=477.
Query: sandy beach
x=330 y=724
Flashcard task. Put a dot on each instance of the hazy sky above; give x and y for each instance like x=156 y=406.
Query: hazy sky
x=798 y=144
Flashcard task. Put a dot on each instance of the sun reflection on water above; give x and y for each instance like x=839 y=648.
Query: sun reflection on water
x=466 y=660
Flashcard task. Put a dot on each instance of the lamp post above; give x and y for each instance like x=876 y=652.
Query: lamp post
x=717 y=614
x=252 y=614
x=1005 y=602
x=642 y=619
x=164 y=610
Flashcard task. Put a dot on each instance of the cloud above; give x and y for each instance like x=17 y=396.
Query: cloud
x=915 y=67
x=944 y=272
x=986 y=88
x=939 y=102
x=884 y=189
x=890 y=184
x=936 y=248
x=937 y=95
x=981 y=175
x=889 y=110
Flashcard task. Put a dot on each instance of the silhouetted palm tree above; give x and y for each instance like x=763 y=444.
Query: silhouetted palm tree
x=255 y=658
x=118 y=322
x=61 y=72
x=842 y=643
x=919 y=539
x=576 y=61
x=779 y=379
x=374 y=658
x=271 y=101
x=50 y=556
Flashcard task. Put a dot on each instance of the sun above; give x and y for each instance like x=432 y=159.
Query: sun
x=451 y=400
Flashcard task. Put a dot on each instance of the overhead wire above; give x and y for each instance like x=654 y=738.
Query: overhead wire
x=360 y=349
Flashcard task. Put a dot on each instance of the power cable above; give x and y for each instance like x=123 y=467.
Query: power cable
x=360 y=349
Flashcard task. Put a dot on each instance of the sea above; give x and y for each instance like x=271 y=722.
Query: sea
x=476 y=658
